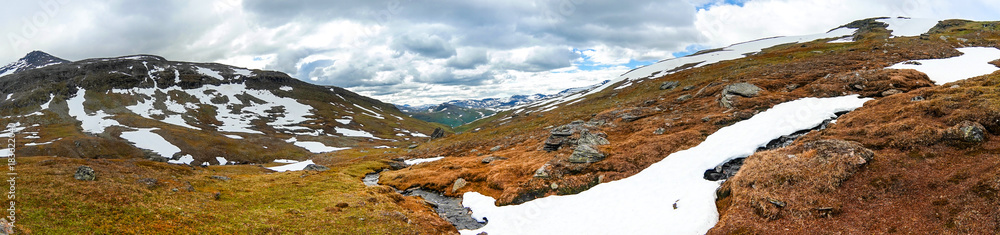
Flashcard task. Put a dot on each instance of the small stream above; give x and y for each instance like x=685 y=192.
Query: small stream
x=449 y=208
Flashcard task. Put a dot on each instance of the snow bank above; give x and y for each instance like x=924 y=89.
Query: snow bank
x=95 y=123
x=644 y=203
x=906 y=27
x=421 y=160
x=973 y=63
x=298 y=166
x=317 y=147
x=146 y=139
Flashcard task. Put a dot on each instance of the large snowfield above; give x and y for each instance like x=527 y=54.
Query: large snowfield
x=973 y=62
x=645 y=203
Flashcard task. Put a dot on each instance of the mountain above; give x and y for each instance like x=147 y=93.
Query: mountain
x=33 y=60
x=460 y=112
x=195 y=113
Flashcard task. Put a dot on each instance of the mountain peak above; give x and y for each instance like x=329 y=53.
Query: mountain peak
x=33 y=60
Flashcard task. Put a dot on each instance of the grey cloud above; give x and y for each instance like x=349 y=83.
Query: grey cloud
x=469 y=59
x=544 y=59
x=431 y=46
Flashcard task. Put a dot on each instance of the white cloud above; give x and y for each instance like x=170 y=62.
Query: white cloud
x=432 y=51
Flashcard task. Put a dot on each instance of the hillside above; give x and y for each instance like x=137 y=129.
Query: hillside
x=578 y=143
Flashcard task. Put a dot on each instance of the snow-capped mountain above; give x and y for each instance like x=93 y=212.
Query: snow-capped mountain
x=34 y=60
x=195 y=113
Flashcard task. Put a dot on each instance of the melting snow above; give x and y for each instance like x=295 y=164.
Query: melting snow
x=974 y=62
x=90 y=123
x=644 y=203
x=285 y=88
x=904 y=27
x=421 y=160
x=236 y=137
x=353 y=133
x=317 y=147
x=186 y=160
x=144 y=138
x=285 y=161
x=221 y=160
x=298 y=166
x=210 y=73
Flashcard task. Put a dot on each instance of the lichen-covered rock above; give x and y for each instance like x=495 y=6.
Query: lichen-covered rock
x=669 y=85
x=730 y=92
x=85 y=173
x=314 y=167
x=585 y=154
x=967 y=131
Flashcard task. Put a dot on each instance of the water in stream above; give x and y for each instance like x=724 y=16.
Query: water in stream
x=449 y=208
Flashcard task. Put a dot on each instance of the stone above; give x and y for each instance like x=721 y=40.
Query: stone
x=85 y=173
x=542 y=172
x=967 y=131
x=688 y=88
x=684 y=98
x=413 y=146
x=149 y=182
x=588 y=138
x=459 y=183
x=917 y=98
x=219 y=177
x=437 y=134
x=585 y=154
x=314 y=167
x=6 y=227
x=217 y=196
x=730 y=92
x=891 y=92
x=659 y=131
x=496 y=148
x=554 y=186
x=742 y=89
x=669 y=85
x=488 y=160
x=553 y=143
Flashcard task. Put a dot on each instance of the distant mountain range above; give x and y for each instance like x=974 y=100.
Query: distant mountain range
x=459 y=112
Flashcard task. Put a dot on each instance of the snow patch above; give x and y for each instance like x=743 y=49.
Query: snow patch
x=421 y=160
x=353 y=133
x=95 y=123
x=972 y=63
x=905 y=27
x=298 y=166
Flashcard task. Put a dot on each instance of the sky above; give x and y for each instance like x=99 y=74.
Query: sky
x=431 y=51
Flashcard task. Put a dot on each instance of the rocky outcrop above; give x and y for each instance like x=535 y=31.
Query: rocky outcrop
x=559 y=135
x=85 y=173
x=314 y=167
x=731 y=91
x=669 y=85
x=437 y=134
x=967 y=131
x=586 y=149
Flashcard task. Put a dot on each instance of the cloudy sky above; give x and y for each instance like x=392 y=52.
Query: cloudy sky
x=431 y=51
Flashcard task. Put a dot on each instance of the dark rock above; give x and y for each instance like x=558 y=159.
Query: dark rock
x=688 y=88
x=217 y=195
x=219 y=177
x=314 y=167
x=684 y=98
x=395 y=164
x=85 y=173
x=488 y=160
x=553 y=143
x=724 y=171
x=917 y=98
x=438 y=133
x=585 y=154
x=967 y=131
x=413 y=146
x=669 y=85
